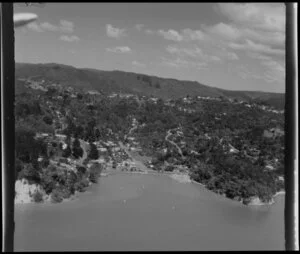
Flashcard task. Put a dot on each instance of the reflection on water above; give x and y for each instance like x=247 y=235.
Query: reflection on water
x=148 y=212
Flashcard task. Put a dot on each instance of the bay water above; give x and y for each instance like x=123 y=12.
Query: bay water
x=126 y=212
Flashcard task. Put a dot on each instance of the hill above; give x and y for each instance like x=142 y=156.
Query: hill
x=127 y=82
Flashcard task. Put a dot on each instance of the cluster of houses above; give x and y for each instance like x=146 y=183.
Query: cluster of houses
x=44 y=86
x=36 y=85
x=273 y=133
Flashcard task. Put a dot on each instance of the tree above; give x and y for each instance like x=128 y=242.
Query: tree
x=97 y=134
x=93 y=154
x=67 y=152
x=79 y=96
x=71 y=181
x=48 y=120
x=68 y=140
x=81 y=171
x=27 y=147
x=79 y=130
x=51 y=92
x=77 y=150
x=30 y=173
x=95 y=171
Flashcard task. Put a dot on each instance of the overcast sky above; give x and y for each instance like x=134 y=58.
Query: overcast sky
x=237 y=46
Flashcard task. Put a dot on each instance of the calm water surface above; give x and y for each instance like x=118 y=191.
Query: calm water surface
x=148 y=212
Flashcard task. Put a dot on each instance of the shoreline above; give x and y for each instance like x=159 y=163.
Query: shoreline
x=25 y=198
x=282 y=192
x=185 y=178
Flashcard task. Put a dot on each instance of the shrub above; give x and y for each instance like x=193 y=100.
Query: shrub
x=71 y=180
x=48 y=120
x=38 y=197
x=85 y=161
x=169 y=168
x=81 y=171
x=81 y=185
x=65 y=192
x=48 y=183
x=78 y=187
x=67 y=152
x=56 y=196
x=45 y=163
x=95 y=171
x=77 y=152
x=93 y=154
x=18 y=167
x=30 y=173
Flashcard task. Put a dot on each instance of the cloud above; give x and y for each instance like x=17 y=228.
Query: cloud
x=266 y=16
x=271 y=38
x=192 y=35
x=139 y=26
x=274 y=65
x=49 y=27
x=71 y=38
x=251 y=27
x=258 y=29
x=232 y=56
x=171 y=35
x=194 y=52
x=243 y=72
x=274 y=71
x=256 y=47
x=120 y=49
x=181 y=63
x=184 y=35
x=114 y=32
x=138 y=64
x=64 y=27
x=149 y=31
x=35 y=27
x=260 y=23
x=258 y=56
x=223 y=31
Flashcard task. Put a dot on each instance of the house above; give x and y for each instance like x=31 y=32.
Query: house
x=116 y=149
x=270 y=167
x=113 y=95
x=60 y=136
x=233 y=149
x=273 y=132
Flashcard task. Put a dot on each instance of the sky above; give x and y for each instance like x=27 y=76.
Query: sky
x=235 y=46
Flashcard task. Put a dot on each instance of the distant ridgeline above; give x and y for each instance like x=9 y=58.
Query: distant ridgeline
x=66 y=119
x=139 y=84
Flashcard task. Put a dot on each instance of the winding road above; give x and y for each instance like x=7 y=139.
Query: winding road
x=173 y=143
